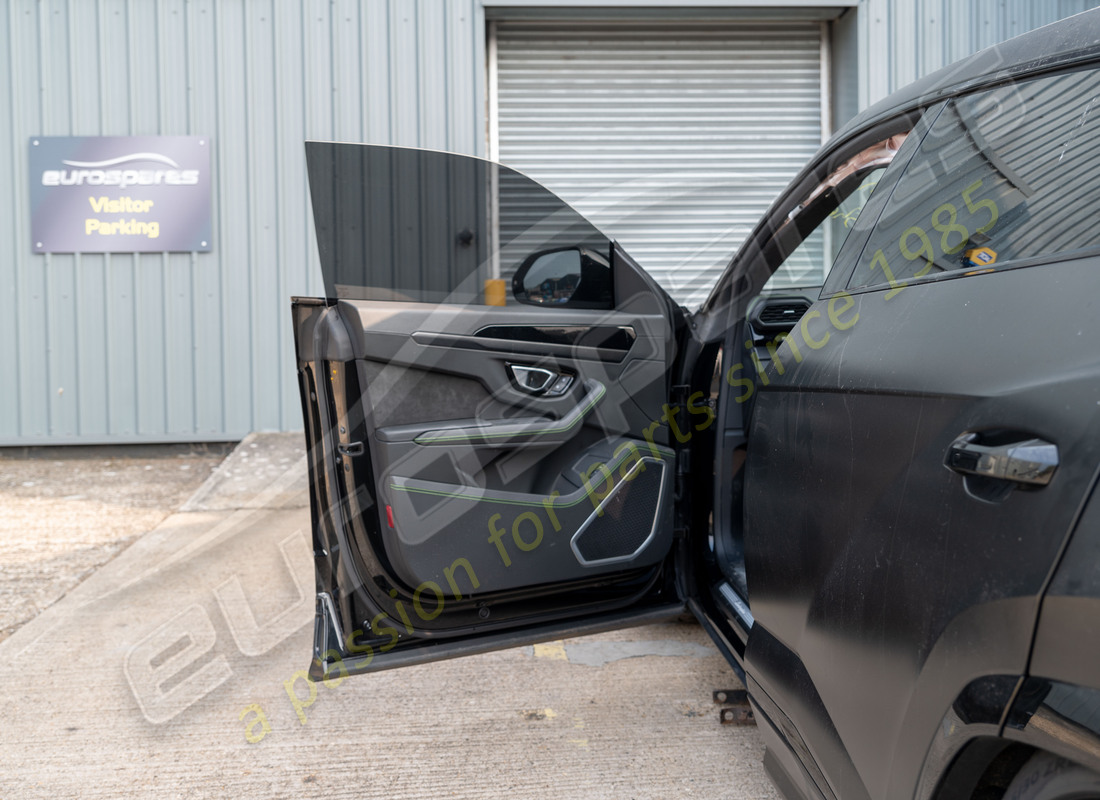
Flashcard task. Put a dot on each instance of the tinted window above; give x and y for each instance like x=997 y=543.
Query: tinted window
x=810 y=261
x=1002 y=176
x=399 y=223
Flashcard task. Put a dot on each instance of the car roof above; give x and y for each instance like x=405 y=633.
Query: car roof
x=1070 y=41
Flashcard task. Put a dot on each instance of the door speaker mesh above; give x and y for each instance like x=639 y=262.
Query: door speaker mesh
x=628 y=520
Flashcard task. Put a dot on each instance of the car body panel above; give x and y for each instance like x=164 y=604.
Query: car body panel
x=1066 y=642
x=861 y=407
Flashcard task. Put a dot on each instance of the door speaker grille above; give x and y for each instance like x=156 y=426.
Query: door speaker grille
x=628 y=519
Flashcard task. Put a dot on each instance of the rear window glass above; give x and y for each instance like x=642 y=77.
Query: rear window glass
x=397 y=223
x=1002 y=176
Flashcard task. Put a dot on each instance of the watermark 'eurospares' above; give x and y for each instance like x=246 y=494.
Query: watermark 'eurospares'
x=120 y=194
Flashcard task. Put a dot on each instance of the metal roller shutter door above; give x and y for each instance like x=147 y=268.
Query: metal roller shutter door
x=673 y=138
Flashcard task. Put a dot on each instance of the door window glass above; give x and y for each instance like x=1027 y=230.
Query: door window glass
x=810 y=262
x=810 y=239
x=397 y=223
x=1002 y=176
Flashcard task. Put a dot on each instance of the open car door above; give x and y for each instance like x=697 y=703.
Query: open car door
x=485 y=388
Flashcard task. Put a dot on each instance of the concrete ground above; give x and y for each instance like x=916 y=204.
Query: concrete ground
x=176 y=669
x=64 y=511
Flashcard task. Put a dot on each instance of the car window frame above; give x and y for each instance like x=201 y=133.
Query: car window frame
x=848 y=258
x=858 y=232
x=751 y=265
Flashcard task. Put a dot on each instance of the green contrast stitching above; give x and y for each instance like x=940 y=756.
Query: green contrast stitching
x=555 y=502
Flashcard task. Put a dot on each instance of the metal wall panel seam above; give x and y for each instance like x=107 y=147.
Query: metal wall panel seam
x=362 y=93
x=937 y=22
x=167 y=312
x=492 y=88
x=90 y=294
x=131 y=273
x=426 y=91
x=192 y=257
x=149 y=275
x=78 y=296
x=270 y=321
x=373 y=57
x=826 y=83
x=248 y=71
x=109 y=388
x=278 y=174
x=416 y=79
x=306 y=205
x=317 y=120
x=219 y=230
x=208 y=362
x=44 y=125
x=133 y=261
x=166 y=282
x=453 y=73
x=273 y=231
x=16 y=162
x=406 y=119
x=477 y=32
x=288 y=150
x=31 y=317
x=165 y=317
x=444 y=83
x=246 y=299
x=10 y=411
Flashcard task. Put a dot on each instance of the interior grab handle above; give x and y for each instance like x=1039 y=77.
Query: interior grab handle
x=537 y=431
x=1028 y=461
x=532 y=379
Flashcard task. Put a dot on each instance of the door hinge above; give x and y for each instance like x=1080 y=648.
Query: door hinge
x=737 y=710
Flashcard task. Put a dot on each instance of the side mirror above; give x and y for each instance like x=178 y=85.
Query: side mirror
x=571 y=277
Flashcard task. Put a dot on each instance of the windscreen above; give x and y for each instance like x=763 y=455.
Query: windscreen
x=396 y=223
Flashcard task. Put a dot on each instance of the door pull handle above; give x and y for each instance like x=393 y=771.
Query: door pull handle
x=1028 y=461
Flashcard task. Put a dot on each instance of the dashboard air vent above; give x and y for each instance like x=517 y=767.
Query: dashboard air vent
x=780 y=314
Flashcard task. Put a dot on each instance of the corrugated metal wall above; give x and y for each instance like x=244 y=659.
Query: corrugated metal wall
x=180 y=347
x=128 y=347
x=905 y=39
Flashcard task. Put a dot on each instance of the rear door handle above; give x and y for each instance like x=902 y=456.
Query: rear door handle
x=1030 y=461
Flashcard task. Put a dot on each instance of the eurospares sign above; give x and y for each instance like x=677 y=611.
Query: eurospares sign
x=120 y=194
